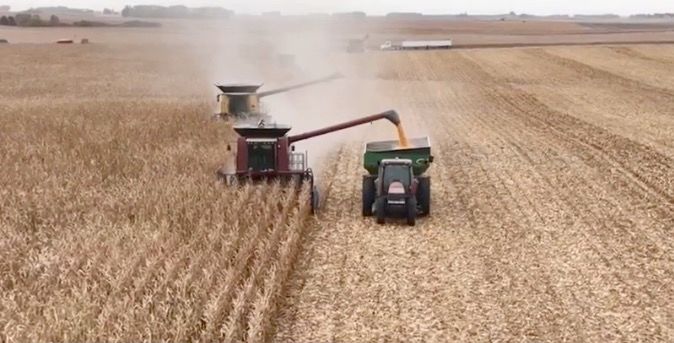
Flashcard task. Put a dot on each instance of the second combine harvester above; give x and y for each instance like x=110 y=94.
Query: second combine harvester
x=393 y=186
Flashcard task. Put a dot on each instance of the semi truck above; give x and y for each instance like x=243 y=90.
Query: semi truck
x=417 y=45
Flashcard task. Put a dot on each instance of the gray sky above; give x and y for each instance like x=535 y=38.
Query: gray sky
x=622 y=7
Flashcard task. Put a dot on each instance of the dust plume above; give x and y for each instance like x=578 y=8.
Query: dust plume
x=281 y=51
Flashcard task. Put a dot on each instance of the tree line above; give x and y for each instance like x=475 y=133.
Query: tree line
x=150 y=11
x=27 y=19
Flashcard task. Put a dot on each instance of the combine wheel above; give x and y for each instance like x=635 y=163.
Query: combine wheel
x=227 y=179
x=233 y=180
x=411 y=205
x=368 y=195
x=315 y=200
x=424 y=195
x=380 y=210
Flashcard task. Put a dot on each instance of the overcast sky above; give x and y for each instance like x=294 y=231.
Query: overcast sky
x=622 y=7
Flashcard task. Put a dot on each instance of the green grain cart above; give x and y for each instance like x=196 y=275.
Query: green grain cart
x=395 y=184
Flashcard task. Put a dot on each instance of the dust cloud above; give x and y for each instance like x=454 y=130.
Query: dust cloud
x=282 y=51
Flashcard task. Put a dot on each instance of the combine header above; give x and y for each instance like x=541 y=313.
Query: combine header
x=241 y=101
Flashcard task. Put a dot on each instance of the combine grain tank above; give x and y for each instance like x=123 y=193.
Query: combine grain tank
x=419 y=153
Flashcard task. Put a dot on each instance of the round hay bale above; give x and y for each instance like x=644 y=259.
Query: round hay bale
x=85 y=41
x=3 y=41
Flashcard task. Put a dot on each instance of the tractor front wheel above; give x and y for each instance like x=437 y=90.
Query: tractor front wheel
x=411 y=205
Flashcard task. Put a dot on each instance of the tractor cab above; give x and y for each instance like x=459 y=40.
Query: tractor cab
x=396 y=179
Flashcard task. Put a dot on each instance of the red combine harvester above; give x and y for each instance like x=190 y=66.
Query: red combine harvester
x=266 y=152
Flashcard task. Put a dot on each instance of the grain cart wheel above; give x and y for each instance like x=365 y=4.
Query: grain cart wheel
x=380 y=210
x=368 y=195
x=424 y=195
x=411 y=205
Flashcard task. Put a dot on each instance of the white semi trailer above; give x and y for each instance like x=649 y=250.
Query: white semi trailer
x=417 y=45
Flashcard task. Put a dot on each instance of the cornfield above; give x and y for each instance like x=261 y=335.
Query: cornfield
x=109 y=235
x=552 y=197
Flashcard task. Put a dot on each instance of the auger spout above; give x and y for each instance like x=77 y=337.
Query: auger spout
x=391 y=116
x=300 y=85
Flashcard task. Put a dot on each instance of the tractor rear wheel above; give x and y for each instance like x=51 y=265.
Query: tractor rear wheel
x=380 y=210
x=368 y=195
x=424 y=195
x=411 y=205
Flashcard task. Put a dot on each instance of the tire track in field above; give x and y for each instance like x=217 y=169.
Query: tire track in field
x=507 y=201
x=499 y=211
x=458 y=167
x=597 y=249
x=643 y=166
x=534 y=292
x=596 y=213
x=590 y=215
x=590 y=218
x=297 y=319
x=528 y=252
x=542 y=129
x=468 y=210
x=663 y=165
x=645 y=71
x=589 y=71
x=647 y=167
x=641 y=117
x=382 y=274
x=634 y=53
x=286 y=318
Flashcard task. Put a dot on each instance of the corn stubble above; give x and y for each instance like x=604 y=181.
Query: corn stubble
x=114 y=228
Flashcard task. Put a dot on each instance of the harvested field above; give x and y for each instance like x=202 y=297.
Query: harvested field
x=549 y=222
x=553 y=198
